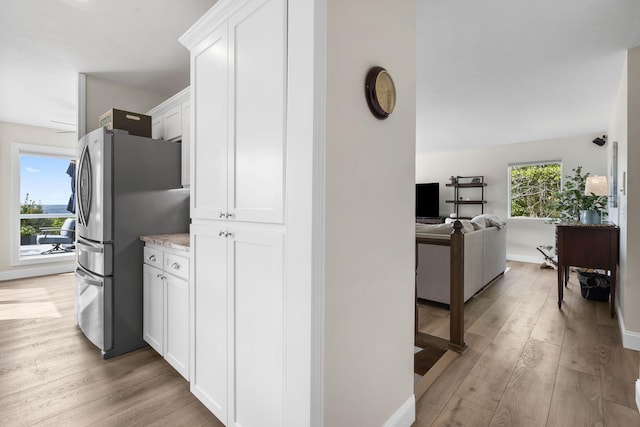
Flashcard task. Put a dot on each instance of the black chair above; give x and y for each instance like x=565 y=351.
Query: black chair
x=58 y=236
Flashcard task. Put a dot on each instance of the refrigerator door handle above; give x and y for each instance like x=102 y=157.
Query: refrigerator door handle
x=88 y=279
x=90 y=248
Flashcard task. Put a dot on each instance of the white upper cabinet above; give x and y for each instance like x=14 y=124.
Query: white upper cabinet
x=170 y=122
x=238 y=160
x=186 y=143
x=157 y=126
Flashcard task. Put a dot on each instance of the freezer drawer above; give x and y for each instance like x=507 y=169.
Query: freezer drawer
x=95 y=257
x=94 y=308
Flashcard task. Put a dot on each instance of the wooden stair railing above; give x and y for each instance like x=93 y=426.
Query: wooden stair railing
x=456 y=303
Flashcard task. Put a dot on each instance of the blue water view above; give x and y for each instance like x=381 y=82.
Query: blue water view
x=54 y=209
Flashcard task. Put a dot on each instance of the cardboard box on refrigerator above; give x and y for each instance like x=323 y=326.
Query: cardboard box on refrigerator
x=134 y=123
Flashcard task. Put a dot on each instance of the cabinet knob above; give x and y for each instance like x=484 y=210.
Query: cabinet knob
x=222 y=215
x=229 y=215
x=160 y=276
x=221 y=233
x=175 y=266
x=152 y=258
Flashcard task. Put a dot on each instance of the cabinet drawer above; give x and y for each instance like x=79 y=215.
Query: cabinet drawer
x=176 y=265
x=153 y=257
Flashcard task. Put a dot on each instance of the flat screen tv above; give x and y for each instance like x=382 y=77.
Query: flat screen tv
x=428 y=200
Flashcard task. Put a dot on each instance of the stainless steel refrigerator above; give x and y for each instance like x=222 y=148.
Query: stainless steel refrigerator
x=127 y=186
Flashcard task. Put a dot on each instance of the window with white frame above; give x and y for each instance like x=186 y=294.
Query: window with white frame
x=532 y=189
x=43 y=200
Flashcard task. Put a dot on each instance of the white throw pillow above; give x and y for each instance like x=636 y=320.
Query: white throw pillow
x=492 y=220
x=478 y=223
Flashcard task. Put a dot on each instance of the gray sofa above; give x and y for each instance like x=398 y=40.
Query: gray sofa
x=485 y=253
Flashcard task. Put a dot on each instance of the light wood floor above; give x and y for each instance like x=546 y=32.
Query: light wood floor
x=530 y=364
x=50 y=374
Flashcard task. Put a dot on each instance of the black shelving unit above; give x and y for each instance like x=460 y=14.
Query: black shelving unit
x=467 y=182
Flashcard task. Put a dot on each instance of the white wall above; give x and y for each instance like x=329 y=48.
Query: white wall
x=625 y=128
x=23 y=134
x=102 y=95
x=369 y=217
x=632 y=207
x=523 y=235
x=618 y=132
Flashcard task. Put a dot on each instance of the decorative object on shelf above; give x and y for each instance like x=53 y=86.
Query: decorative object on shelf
x=575 y=198
x=467 y=182
x=380 y=92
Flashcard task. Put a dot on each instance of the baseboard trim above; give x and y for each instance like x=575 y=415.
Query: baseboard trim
x=38 y=271
x=638 y=395
x=630 y=339
x=525 y=258
x=404 y=415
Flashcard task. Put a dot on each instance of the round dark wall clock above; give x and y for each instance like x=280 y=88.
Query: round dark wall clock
x=380 y=92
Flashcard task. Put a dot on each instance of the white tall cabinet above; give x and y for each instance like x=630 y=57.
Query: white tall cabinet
x=238 y=304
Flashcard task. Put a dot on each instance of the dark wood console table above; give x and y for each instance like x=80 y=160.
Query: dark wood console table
x=587 y=246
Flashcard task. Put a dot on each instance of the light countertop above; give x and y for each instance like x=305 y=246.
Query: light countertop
x=175 y=241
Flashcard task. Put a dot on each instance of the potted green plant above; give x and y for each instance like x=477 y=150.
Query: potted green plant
x=572 y=204
x=27 y=235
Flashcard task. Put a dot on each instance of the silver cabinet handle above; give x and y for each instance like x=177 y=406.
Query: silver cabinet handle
x=225 y=234
x=160 y=276
x=152 y=258
x=222 y=233
x=222 y=215
x=175 y=266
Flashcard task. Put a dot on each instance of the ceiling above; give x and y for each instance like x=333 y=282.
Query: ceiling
x=489 y=72
x=493 y=72
x=44 y=44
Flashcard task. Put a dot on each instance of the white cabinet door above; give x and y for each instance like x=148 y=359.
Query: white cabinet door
x=258 y=81
x=209 y=318
x=238 y=321
x=172 y=120
x=177 y=324
x=209 y=99
x=239 y=96
x=153 y=307
x=157 y=127
x=186 y=143
x=256 y=335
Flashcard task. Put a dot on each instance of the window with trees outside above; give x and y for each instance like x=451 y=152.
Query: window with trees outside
x=45 y=201
x=532 y=189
